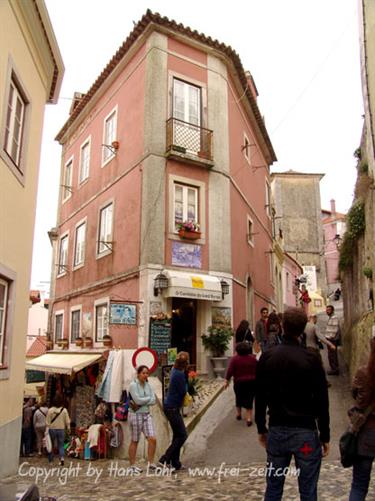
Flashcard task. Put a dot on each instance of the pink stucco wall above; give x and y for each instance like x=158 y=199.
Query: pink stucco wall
x=250 y=177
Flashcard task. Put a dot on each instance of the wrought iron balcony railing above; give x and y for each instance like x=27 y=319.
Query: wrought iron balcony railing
x=189 y=139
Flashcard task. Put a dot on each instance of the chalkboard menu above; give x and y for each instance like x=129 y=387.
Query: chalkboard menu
x=160 y=336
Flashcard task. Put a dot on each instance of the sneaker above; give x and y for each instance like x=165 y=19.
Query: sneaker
x=135 y=469
x=153 y=466
x=61 y=462
x=182 y=467
x=167 y=466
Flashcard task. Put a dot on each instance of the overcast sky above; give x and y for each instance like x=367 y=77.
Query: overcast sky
x=303 y=55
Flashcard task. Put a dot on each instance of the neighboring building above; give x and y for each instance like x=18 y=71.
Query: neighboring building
x=334 y=227
x=298 y=215
x=357 y=258
x=31 y=71
x=291 y=271
x=170 y=131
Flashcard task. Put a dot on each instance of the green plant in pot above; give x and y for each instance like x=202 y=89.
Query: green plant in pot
x=217 y=342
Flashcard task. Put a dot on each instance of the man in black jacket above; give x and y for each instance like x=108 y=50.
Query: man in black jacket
x=291 y=383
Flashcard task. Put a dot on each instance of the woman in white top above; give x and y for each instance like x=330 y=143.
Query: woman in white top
x=39 y=423
x=58 y=421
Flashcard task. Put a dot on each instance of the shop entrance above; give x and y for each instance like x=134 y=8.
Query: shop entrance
x=184 y=326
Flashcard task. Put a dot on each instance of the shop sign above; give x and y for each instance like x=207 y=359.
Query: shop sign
x=160 y=336
x=194 y=293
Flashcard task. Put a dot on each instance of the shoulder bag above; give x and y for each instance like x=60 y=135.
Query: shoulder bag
x=349 y=440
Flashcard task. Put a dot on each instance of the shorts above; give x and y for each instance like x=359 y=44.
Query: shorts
x=141 y=422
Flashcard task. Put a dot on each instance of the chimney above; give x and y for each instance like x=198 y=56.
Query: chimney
x=251 y=84
x=333 y=206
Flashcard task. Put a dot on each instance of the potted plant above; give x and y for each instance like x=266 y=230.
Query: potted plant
x=217 y=342
x=63 y=343
x=189 y=229
x=87 y=342
x=78 y=341
x=107 y=340
x=49 y=344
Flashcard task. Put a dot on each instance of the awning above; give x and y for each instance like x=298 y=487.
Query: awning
x=193 y=285
x=63 y=363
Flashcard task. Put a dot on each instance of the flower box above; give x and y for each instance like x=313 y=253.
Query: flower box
x=107 y=341
x=189 y=235
x=78 y=341
x=87 y=342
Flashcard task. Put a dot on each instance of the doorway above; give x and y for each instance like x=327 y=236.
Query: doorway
x=184 y=326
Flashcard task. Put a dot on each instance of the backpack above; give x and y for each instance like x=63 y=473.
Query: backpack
x=122 y=410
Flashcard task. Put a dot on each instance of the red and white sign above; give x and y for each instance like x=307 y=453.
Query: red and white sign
x=145 y=356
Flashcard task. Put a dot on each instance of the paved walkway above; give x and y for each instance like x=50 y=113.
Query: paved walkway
x=219 y=437
x=108 y=481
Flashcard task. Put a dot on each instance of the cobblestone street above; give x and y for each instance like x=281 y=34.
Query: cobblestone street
x=107 y=481
x=217 y=438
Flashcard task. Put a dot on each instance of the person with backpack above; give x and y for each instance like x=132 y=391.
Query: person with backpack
x=362 y=417
x=39 y=423
x=57 y=422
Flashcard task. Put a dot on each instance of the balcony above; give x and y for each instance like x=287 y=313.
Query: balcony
x=189 y=143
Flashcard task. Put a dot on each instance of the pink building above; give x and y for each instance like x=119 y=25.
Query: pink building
x=169 y=132
x=291 y=271
x=334 y=226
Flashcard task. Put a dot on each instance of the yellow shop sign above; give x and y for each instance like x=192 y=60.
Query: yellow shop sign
x=197 y=282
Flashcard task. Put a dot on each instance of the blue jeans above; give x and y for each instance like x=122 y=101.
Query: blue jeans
x=304 y=445
x=172 y=454
x=57 y=436
x=361 y=478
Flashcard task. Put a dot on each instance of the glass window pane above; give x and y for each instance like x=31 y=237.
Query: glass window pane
x=2 y=295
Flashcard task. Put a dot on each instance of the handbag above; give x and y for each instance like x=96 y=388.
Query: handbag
x=348 y=443
x=348 y=448
x=47 y=442
x=188 y=399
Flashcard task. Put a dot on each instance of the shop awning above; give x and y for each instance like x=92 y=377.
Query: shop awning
x=193 y=285
x=63 y=363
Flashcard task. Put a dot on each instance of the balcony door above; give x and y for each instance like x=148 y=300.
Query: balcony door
x=187 y=115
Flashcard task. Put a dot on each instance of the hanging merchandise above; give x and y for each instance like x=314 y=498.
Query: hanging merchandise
x=117 y=435
x=122 y=410
x=85 y=406
x=104 y=388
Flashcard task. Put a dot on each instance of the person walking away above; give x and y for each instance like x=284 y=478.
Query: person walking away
x=333 y=336
x=172 y=409
x=39 y=423
x=243 y=333
x=274 y=329
x=290 y=383
x=27 y=428
x=363 y=391
x=140 y=420
x=261 y=334
x=242 y=368
x=314 y=339
x=57 y=421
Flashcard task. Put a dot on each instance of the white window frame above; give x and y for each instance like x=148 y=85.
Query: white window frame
x=107 y=154
x=268 y=199
x=3 y=322
x=84 y=169
x=101 y=248
x=246 y=148
x=67 y=183
x=81 y=263
x=62 y=266
x=74 y=309
x=201 y=186
x=250 y=231
x=97 y=304
x=56 y=314
x=9 y=134
x=185 y=192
